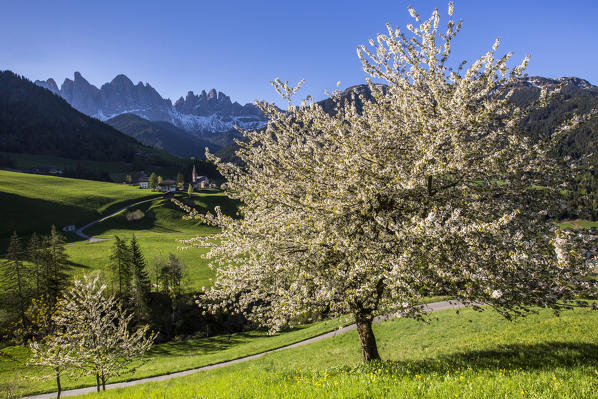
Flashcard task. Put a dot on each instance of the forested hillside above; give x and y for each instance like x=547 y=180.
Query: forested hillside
x=162 y=135
x=35 y=121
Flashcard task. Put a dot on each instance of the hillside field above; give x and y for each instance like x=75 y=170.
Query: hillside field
x=462 y=354
x=158 y=234
x=32 y=203
x=19 y=379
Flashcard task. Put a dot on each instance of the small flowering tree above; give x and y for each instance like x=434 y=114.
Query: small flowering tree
x=96 y=332
x=56 y=352
x=430 y=186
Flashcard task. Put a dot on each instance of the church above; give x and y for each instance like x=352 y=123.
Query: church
x=199 y=182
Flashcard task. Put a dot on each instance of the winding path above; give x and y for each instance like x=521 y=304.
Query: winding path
x=81 y=234
x=430 y=307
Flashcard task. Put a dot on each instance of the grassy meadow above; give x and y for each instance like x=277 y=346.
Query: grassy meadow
x=166 y=358
x=32 y=203
x=464 y=355
x=578 y=224
x=157 y=232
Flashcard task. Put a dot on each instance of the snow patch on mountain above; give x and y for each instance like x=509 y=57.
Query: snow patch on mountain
x=215 y=123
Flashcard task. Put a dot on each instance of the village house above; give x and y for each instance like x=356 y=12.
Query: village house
x=143 y=182
x=167 y=186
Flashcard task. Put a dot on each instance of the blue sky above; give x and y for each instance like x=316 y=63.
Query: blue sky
x=239 y=46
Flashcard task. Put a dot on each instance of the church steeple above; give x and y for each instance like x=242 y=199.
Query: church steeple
x=193 y=175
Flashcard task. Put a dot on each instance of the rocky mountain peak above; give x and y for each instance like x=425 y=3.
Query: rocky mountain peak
x=212 y=111
x=122 y=81
x=49 y=84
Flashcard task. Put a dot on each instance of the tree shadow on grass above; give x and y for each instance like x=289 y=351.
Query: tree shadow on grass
x=78 y=265
x=543 y=356
x=201 y=346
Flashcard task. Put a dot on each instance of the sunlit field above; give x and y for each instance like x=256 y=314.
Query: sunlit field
x=465 y=355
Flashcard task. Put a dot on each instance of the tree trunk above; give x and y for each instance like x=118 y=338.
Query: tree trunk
x=98 y=382
x=58 y=386
x=103 y=383
x=366 y=336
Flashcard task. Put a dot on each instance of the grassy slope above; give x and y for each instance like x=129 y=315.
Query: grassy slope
x=95 y=257
x=157 y=234
x=470 y=355
x=165 y=358
x=578 y=224
x=32 y=203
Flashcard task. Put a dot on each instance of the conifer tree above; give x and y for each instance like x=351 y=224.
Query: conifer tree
x=121 y=268
x=55 y=270
x=35 y=257
x=15 y=280
x=141 y=282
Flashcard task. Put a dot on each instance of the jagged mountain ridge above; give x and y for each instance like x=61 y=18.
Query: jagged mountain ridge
x=33 y=121
x=210 y=112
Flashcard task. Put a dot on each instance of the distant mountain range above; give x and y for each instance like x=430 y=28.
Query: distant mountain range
x=36 y=122
x=206 y=113
x=207 y=119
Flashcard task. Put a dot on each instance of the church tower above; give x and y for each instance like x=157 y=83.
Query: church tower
x=193 y=175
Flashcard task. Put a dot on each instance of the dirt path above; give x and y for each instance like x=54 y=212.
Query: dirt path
x=81 y=234
x=431 y=307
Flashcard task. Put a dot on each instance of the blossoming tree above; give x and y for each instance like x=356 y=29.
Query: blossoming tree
x=91 y=336
x=429 y=186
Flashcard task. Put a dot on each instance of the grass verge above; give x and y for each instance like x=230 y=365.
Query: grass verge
x=465 y=355
x=162 y=359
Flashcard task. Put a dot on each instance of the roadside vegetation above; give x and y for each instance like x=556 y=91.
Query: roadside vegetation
x=165 y=358
x=463 y=354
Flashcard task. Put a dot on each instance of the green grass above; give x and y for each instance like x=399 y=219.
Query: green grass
x=91 y=257
x=163 y=217
x=578 y=224
x=32 y=203
x=157 y=232
x=165 y=358
x=470 y=355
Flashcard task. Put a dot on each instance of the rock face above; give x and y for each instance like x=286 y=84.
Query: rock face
x=210 y=112
x=211 y=103
x=49 y=84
